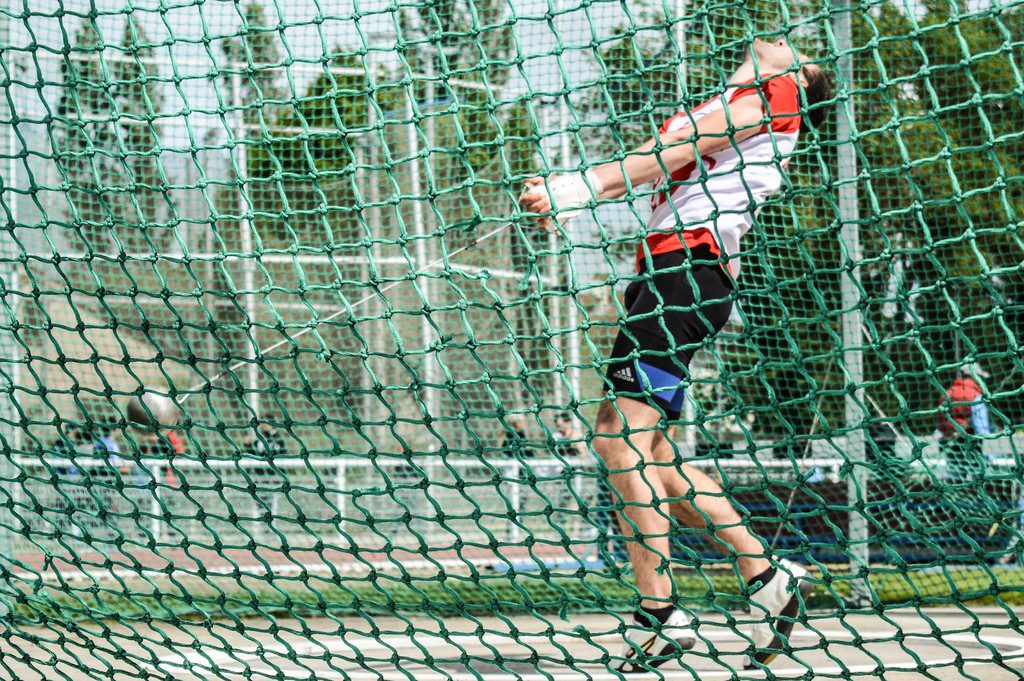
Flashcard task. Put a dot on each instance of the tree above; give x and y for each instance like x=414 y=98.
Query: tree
x=942 y=201
x=330 y=171
x=940 y=204
x=305 y=176
x=86 y=147
x=252 y=96
x=638 y=84
x=139 y=99
x=479 y=147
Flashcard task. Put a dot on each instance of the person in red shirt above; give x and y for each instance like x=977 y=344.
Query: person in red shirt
x=963 y=422
x=712 y=166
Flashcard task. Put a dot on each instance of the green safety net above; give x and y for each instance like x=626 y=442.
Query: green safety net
x=299 y=221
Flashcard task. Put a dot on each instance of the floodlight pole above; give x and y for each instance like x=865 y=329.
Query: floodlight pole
x=420 y=236
x=9 y=275
x=252 y=396
x=554 y=243
x=571 y=280
x=689 y=411
x=11 y=434
x=850 y=284
x=680 y=34
x=570 y=344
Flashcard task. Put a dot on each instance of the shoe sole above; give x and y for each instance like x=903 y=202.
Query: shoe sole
x=784 y=627
x=681 y=645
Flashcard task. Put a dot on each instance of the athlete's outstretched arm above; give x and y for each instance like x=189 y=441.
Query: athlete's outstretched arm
x=670 y=151
x=659 y=156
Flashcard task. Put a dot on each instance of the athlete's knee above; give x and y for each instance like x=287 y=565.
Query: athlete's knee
x=611 y=432
x=609 y=420
x=664 y=447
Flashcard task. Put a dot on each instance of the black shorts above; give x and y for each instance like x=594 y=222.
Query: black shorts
x=654 y=347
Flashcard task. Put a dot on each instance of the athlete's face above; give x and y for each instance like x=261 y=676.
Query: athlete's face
x=772 y=57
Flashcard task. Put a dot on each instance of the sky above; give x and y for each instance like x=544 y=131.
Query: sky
x=191 y=34
x=555 y=42
x=189 y=37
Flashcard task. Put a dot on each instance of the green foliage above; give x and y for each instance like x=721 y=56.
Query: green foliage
x=107 y=142
x=641 y=88
x=533 y=593
x=302 y=174
x=943 y=199
x=139 y=101
x=85 y=139
x=942 y=158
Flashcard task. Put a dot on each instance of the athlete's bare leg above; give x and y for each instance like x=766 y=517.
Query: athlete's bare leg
x=706 y=507
x=624 y=438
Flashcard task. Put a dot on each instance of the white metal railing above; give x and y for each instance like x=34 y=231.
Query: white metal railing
x=340 y=495
x=352 y=491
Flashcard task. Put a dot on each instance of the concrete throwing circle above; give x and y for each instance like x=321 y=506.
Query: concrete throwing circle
x=574 y=655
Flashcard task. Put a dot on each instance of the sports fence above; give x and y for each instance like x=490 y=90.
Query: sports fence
x=299 y=220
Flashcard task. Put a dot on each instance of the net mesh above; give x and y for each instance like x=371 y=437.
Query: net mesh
x=299 y=220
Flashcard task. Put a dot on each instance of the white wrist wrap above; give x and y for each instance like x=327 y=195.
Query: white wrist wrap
x=570 y=194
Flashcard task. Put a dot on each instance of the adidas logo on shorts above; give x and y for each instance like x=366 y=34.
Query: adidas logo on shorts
x=624 y=374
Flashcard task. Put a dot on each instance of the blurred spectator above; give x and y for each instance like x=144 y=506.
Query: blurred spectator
x=162 y=445
x=107 y=447
x=267 y=442
x=568 y=441
x=105 y=444
x=514 y=445
x=70 y=493
x=265 y=477
x=963 y=423
x=64 y=448
x=564 y=491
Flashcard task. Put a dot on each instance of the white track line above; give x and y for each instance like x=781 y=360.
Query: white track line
x=253 y=570
x=238 y=659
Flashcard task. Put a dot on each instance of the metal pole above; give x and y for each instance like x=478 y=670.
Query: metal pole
x=571 y=339
x=557 y=389
x=422 y=254
x=340 y=485
x=690 y=423
x=680 y=33
x=248 y=256
x=378 y=219
x=155 y=506
x=372 y=218
x=689 y=411
x=12 y=433
x=572 y=311
x=210 y=241
x=853 y=358
x=11 y=437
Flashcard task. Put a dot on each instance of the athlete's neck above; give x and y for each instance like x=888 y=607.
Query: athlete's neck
x=746 y=73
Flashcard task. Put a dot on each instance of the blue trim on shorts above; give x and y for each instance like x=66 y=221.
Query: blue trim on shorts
x=665 y=386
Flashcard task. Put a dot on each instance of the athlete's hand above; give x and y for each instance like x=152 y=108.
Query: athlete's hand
x=534 y=199
x=567 y=195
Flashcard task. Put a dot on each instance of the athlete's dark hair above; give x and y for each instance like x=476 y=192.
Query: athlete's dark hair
x=818 y=92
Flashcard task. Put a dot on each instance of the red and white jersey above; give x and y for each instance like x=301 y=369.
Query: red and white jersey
x=713 y=201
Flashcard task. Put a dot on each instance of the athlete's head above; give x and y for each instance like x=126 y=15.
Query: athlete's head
x=817 y=85
x=780 y=56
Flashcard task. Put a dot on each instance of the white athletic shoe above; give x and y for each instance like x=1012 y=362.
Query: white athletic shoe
x=776 y=604
x=649 y=646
